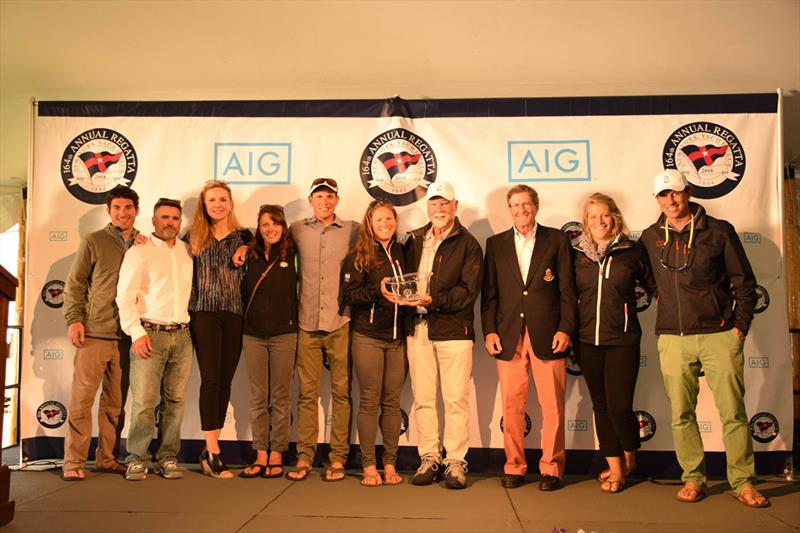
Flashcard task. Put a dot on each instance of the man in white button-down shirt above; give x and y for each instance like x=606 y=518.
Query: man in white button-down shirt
x=155 y=283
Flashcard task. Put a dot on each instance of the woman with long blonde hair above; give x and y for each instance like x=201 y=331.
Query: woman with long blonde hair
x=608 y=268
x=216 y=311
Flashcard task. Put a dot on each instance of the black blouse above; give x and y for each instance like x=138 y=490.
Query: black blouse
x=273 y=310
x=217 y=283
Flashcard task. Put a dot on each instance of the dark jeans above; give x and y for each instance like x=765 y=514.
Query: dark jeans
x=611 y=373
x=217 y=338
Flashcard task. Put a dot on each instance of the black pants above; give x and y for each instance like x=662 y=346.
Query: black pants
x=217 y=338
x=611 y=373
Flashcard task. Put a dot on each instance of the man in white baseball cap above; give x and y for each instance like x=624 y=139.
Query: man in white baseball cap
x=706 y=296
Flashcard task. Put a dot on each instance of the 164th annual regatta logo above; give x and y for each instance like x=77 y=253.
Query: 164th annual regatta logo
x=95 y=162
x=398 y=166
x=709 y=155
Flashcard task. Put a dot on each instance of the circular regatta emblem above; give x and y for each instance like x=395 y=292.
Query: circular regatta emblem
x=574 y=230
x=647 y=425
x=762 y=300
x=643 y=299
x=710 y=156
x=573 y=368
x=404 y=424
x=95 y=162
x=528 y=424
x=398 y=166
x=52 y=414
x=53 y=293
x=764 y=427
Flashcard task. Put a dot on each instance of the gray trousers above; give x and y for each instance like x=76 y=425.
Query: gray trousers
x=381 y=371
x=270 y=363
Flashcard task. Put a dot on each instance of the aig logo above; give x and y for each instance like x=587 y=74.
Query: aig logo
x=577 y=425
x=549 y=161
x=642 y=360
x=704 y=427
x=752 y=238
x=758 y=362
x=53 y=353
x=253 y=163
x=58 y=236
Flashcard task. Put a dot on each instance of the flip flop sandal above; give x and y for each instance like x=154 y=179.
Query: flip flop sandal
x=331 y=470
x=116 y=469
x=80 y=475
x=699 y=494
x=751 y=503
x=398 y=481
x=376 y=480
x=259 y=471
x=603 y=476
x=269 y=474
x=612 y=486
x=302 y=470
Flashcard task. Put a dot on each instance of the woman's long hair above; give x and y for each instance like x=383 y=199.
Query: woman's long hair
x=200 y=231
x=259 y=246
x=599 y=198
x=365 y=245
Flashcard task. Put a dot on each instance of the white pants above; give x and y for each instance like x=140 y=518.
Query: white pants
x=450 y=361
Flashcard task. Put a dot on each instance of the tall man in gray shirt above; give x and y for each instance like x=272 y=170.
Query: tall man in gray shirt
x=323 y=242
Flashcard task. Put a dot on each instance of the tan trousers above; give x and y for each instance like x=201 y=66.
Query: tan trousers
x=96 y=363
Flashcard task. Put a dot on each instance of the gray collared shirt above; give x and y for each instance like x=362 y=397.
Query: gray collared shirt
x=322 y=249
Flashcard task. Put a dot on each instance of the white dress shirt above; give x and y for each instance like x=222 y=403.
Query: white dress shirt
x=524 y=247
x=155 y=282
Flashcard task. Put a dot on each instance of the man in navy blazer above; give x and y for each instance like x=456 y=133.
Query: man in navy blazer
x=529 y=313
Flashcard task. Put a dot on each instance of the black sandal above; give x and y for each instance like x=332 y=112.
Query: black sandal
x=269 y=474
x=259 y=472
x=212 y=464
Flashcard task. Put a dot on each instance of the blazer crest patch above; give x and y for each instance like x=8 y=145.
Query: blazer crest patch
x=548 y=275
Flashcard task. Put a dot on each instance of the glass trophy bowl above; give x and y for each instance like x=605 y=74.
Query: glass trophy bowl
x=408 y=288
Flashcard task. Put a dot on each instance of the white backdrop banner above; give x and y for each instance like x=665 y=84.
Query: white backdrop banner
x=270 y=151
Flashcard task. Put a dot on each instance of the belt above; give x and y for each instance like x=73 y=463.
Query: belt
x=163 y=327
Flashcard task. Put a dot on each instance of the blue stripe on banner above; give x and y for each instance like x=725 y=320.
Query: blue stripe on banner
x=485 y=107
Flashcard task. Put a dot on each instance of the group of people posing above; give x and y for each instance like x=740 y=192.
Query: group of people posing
x=222 y=292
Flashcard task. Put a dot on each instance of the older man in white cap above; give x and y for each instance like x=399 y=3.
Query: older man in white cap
x=442 y=335
x=706 y=295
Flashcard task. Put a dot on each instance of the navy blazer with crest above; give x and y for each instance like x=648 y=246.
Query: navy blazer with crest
x=546 y=302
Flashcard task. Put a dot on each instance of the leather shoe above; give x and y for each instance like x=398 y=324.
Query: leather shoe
x=512 y=481
x=548 y=482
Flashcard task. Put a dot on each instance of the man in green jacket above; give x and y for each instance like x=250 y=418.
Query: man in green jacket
x=93 y=321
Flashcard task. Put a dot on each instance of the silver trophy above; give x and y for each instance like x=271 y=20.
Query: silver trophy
x=408 y=288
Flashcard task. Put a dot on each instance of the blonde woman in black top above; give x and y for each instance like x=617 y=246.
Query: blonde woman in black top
x=608 y=267
x=269 y=343
x=216 y=309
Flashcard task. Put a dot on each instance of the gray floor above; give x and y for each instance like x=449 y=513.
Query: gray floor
x=107 y=503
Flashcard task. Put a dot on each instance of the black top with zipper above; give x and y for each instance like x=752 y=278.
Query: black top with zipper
x=705 y=281
x=273 y=310
x=371 y=314
x=607 y=293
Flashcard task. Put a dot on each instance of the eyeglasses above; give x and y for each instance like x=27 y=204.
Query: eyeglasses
x=687 y=249
x=523 y=205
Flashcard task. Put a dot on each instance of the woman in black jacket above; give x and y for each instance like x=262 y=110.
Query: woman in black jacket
x=270 y=340
x=378 y=346
x=608 y=267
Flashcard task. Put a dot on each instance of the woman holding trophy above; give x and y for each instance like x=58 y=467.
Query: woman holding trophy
x=378 y=338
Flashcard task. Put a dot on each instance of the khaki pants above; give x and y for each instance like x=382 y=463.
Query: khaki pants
x=451 y=363
x=311 y=345
x=96 y=362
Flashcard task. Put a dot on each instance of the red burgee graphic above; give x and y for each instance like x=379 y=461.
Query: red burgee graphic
x=398 y=163
x=99 y=162
x=704 y=156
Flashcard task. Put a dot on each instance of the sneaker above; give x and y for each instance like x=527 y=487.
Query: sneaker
x=169 y=469
x=136 y=472
x=455 y=475
x=428 y=471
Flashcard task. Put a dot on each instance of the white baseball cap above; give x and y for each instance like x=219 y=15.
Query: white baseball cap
x=326 y=182
x=669 y=180
x=443 y=189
